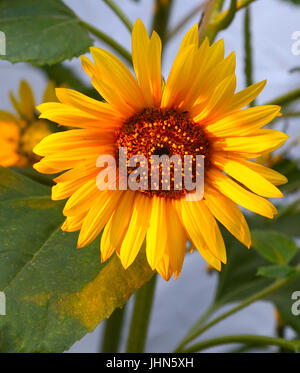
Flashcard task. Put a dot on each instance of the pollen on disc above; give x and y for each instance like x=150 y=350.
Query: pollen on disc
x=164 y=132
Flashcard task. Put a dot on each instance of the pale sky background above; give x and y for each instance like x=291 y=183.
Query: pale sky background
x=178 y=304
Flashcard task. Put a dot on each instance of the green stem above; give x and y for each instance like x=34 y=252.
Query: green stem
x=223 y=19
x=245 y=339
x=161 y=17
x=108 y=40
x=263 y=293
x=184 y=21
x=223 y=22
x=243 y=3
x=118 y=11
x=206 y=315
x=243 y=348
x=113 y=331
x=248 y=50
x=286 y=98
x=291 y=114
x=219 y=5
x=141 y=317
x=210 y=11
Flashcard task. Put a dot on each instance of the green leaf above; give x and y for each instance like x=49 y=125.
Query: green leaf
x=274 y=246
x=277 y=271
x=55 y=294
x=41 y=32
x=14 y=186
x=34 y=175
x=238 y=279
x=283 y=301
x=286 y=222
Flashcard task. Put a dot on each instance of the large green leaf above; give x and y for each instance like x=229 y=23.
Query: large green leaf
x=287 y=222
x=238 y=279
x=41 y=32
x=55 y=294
x=276 y=247
x=277 y=271
x=283 y=301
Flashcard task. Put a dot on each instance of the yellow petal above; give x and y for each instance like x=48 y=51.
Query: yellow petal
x=118 y=77
x=245 y=175
x=106 y=247
x=191 y=70
x=201 y=225
x=83 y=102
x=73 y=223
x=199 y=69
x=205 y=81
x=114 y=97
x=264 y=141
x=195 y=234
x=88 y=66
x=209 y=257
x=66 y=189
x=156 y=238
x=217 y=52
x=146 y=57
x=164 y=267
x=245 y=96
x=176 y=242
x=137 y=229
x=121 y=219
x=188 y=222
x=228 y=213
x=72 y=139
x=244 y=122
x=70 y=116
x=240 y=195
x=98 y=215
x=53 y=165
x=82 y=169
x=78 y=154
x=273 y=176
x=190 y=38
x=219 y=100
x=179 y=78
x=82 y=199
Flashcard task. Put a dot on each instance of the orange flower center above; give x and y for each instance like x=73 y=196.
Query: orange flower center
x=164 y=132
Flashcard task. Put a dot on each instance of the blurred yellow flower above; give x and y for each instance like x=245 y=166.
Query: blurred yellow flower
x=20 y=133
x=197 y=112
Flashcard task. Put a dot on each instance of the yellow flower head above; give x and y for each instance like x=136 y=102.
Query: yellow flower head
x=196 y=113
x=20 y=134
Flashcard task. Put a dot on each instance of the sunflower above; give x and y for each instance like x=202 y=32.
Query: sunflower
x=20 y=133
x=195 y=112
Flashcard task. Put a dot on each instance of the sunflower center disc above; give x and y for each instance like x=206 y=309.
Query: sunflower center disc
x=163 y=132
